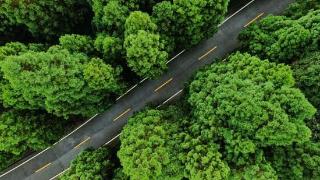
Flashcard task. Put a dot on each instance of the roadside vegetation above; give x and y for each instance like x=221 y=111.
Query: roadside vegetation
x=63 y=61
x=253 y=116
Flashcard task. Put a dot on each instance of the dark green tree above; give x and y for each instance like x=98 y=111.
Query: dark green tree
x=299 y=161
x=189 y=21
x=45 y=19
x=26 y=131
x=110 y=47
x=281 y=39
x=113 y=18
x=306 y=72
x=91 y=164
x=301 y=7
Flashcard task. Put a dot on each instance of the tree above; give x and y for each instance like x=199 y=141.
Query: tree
x=46 y=19
x=77 y=43
x=281 y=39
x=113 y=18
x=145 y=54
x=301 y=8
x=139 y=21
x=147 y=143
x=299 y=161
x=143 y=5
x=247 y=107
x=189 y=21
x=91 y=164
x=110 y=47
x=58 y=82
x=22 y=131
x=306 y=72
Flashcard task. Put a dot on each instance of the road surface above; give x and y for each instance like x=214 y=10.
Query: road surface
x=105 y=127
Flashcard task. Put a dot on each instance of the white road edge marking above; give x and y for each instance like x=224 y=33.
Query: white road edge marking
x=143 y=80
x=23 y=163
x=59 y=174
x=76 y=129
x=48 y=147
x=170 y=98
x=176 y=56
x=235 y=13
x=112 y=139
x=127 y=92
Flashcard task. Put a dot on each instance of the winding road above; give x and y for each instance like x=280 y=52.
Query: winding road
x=104 y=128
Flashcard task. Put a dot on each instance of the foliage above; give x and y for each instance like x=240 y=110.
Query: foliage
x=77 y=43
x=46 y=18
x=280 y=39
x=189 y=21
x=146 y=150
x=113 y=18
x=306 y=72
x=145 y=54
x=21 y=131
x=56 y=81
x=139 y=21
x=247 y=107
x=301 y=8
x=110 y=47
x=301 y=161
x=90 y=164
x=119 y=175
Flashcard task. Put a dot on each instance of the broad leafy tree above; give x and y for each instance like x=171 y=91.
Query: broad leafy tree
x=58 y=82
x=306 y=72
x=22 y=131
x=281 y=39
x=248 y=107
x=189 y=21
x=45 y=18
x=77 y=43
x=147 y=146
x=145 y=54
x=91 y=164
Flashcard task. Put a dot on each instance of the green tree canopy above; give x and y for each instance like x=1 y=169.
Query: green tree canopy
x=77 y=43
x=247 y=107
x=22 y=131
x=58 y=82
x=147 y=146
x=91 y=164
x=189 y=21
x=281 y=39
x=306 y=72
x=145 y=54
x=110 y=47
x=45 y=18
x=301 y=7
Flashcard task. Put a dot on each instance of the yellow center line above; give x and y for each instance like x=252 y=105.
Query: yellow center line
x=165 y=83
x=122 y=114
x=43 y=167
x=253 y=20
x=77 y=146
x=206 y=54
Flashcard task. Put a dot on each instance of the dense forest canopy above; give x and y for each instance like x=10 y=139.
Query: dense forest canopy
x=62 y=61
x=254 y=116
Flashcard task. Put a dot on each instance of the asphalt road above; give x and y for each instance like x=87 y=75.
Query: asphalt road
x=105 y=127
